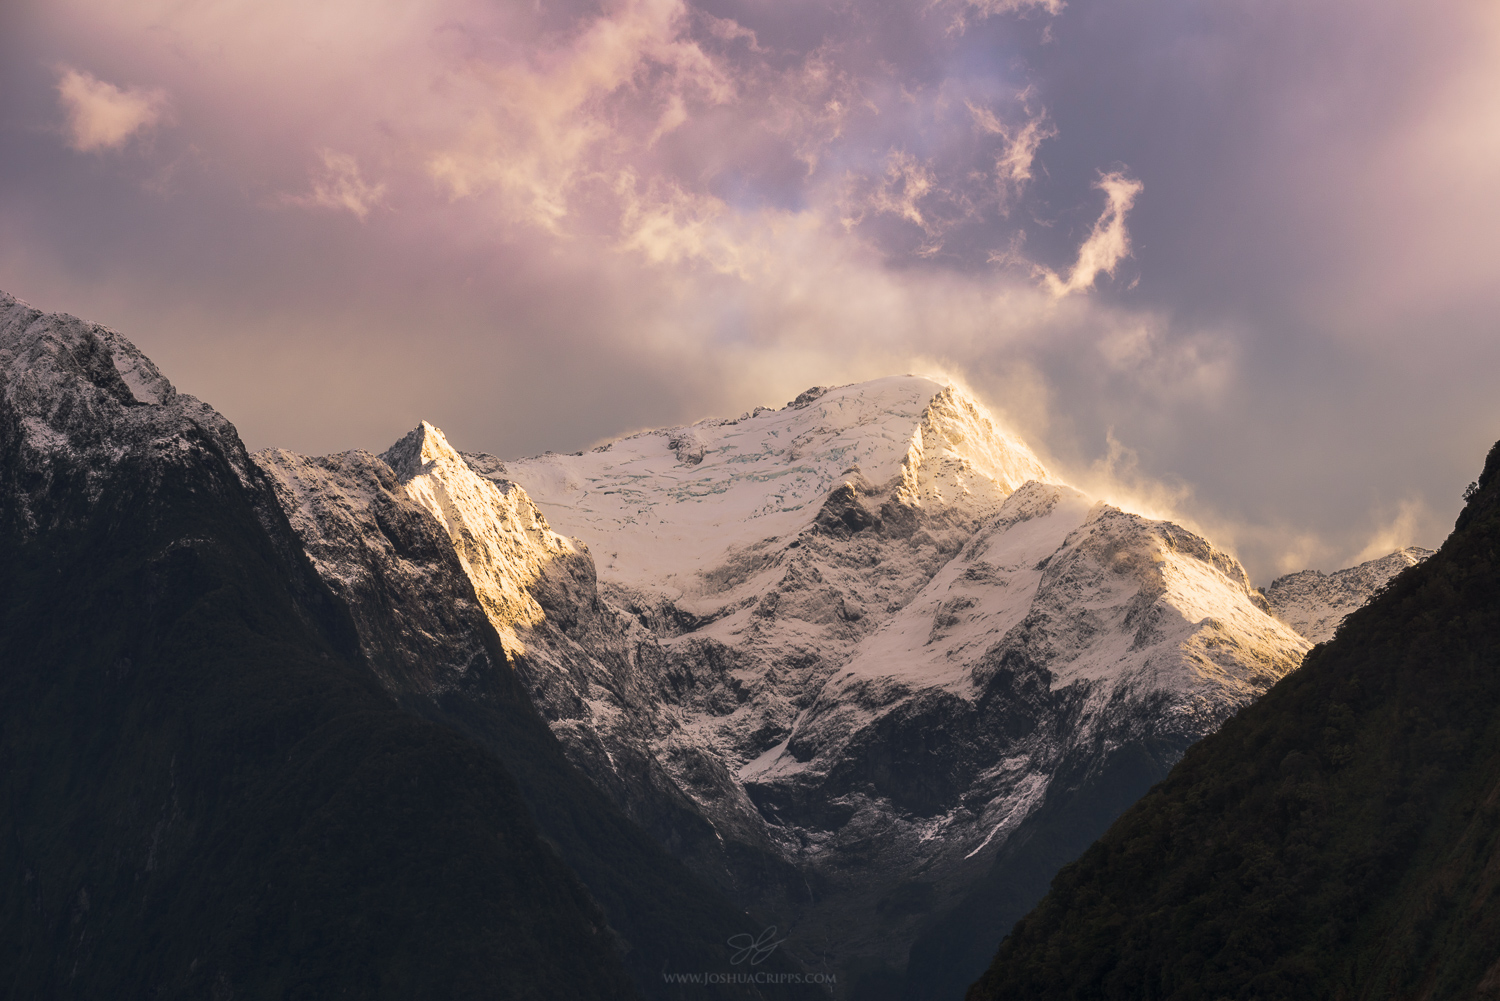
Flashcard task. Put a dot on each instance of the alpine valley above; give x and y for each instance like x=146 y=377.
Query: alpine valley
x=860 y=668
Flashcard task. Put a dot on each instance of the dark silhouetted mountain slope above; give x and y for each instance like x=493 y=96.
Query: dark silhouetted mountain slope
x=205 y=790
x=1340 y=838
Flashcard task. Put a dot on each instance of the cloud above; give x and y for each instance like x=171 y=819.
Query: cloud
x=1399 y=532
x=672 y=215
x=339 y=185
x=899 y=191
x=970 y=11
x=729 y=30
x=1013 y=165
x=1107 y=244
x=541 y=129
x=101 y=115
x=1015 y=160
x=668 y=226
x=1117 y=478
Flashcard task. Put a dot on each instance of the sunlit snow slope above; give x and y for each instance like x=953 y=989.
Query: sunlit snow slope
x=678 y=502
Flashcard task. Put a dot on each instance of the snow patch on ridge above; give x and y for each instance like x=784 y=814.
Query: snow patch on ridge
x=977 y=597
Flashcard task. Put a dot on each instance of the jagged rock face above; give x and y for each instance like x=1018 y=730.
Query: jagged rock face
x=430 y=556
x=1316 y=604
x=497 y=543
x=1102 y=613
x=389 y=561
x=80 y=403
x=84 y=400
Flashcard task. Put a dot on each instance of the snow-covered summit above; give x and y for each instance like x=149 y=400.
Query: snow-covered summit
x=874 y=618
x=676 y=501
x=870 y=618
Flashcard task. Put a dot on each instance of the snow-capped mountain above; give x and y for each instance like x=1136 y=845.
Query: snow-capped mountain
x=882 y=632
x=837 y=656
x=677 y=504
x=1316 y=604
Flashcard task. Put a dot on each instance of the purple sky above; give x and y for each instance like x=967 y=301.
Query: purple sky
x=1232 y=260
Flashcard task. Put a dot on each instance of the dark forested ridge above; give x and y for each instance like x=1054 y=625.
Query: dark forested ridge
x=1338 y=839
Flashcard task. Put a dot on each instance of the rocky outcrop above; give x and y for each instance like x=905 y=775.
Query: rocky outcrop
x=206 y=792
x=1316 y=604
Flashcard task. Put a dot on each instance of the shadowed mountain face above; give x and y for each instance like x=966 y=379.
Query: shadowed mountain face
x=206 y=792
x=212 y=788
x=435 y=636
x=1335 y=840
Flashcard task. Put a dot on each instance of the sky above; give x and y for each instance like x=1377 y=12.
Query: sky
x=1233 y=261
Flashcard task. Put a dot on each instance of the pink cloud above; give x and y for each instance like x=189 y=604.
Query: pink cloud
x=101 y=115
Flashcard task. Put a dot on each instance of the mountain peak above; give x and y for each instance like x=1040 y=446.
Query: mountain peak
x=959 y=447
x=58 y=356
x=416 y=452
x=77 y=390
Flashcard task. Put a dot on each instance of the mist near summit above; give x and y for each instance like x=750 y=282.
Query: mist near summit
x=1229 y=263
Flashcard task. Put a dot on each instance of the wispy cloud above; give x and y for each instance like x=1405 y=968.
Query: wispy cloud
x=968 y=11
x=338 y=184
x=1016 y=159
x=101 y=115
x=899 y=191
x=1108 y=242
